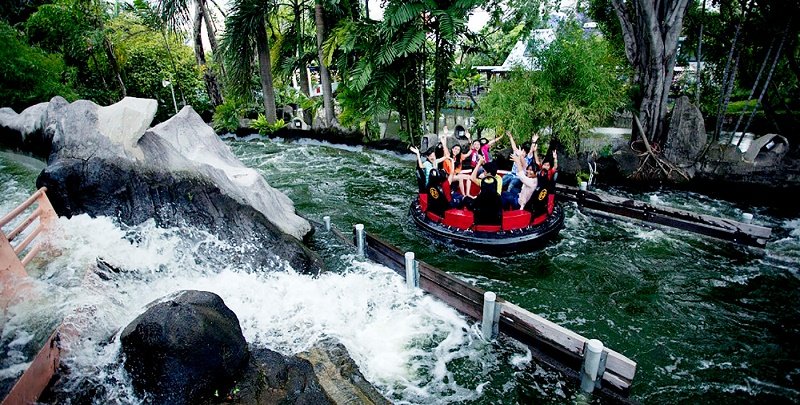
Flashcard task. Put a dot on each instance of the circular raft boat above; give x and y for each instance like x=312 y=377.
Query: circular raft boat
x=519 y=231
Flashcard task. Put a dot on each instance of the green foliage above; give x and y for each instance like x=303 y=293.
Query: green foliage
x=30 y=75
x=264 y=127
x=226 y=115
x=576 y=88
x=147 y=57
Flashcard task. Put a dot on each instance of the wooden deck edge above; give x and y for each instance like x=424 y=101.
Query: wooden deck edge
x=38 y=375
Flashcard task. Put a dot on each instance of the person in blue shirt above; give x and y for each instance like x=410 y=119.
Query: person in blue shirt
x=511 y=181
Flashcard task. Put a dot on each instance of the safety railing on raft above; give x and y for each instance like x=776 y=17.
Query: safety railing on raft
x=587 y=360
x=34 y=380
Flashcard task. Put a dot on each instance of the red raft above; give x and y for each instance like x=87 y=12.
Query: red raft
x=519 y=231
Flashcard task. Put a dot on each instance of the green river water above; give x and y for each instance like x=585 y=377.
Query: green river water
x=706 y=321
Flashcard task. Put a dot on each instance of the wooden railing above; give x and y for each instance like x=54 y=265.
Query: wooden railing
x=14 y=286
x=9 y=250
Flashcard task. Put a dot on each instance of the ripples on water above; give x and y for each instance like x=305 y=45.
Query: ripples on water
x=705 y=320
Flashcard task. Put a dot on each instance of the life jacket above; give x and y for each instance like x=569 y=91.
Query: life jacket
x=488 y=207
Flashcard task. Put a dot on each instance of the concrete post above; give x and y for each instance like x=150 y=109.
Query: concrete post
x=591 y=364
x=327 y=220
x=747 y=217
x=412 y=271
x=487 y=323
x=584 y=186
x=360 y=238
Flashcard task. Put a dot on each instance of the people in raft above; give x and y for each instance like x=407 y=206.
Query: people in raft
x=487 y=206
x=511 y=181
x=514 y=198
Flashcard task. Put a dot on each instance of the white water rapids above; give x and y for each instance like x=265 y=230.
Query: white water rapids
x=403 y=341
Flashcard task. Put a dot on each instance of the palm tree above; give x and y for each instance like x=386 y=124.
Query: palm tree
x=324 y=75
x=246 y=31
x=176 y=13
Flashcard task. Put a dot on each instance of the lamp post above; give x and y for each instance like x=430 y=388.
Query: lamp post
x=166 y=83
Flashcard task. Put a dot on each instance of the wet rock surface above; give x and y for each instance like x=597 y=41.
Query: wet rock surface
x=183 y=350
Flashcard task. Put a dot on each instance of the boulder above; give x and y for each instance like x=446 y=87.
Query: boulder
x=686 y=138
x=183 y=350
x=105 y=161
x=272 y=378
x=339 y=375
x=325 y=374
x=25 y=131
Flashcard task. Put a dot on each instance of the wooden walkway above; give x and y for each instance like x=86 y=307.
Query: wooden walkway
x=624 y=208
x=549 y=343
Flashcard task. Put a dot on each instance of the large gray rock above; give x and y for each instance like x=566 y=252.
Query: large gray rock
x=25 y=131
x=184 y=350
x=197 y=147
x=105 y=161
x=686 y=138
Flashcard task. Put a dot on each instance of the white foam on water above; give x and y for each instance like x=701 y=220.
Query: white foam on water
x=403 y=341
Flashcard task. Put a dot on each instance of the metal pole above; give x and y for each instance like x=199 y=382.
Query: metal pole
x=327 y=220
x=487 y=324
x=360 y=239
x=412 y=271
x=591 y=364
x=174 y=103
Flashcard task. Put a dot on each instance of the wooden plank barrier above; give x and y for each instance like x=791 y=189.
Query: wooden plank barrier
x=619 y=208
x=558 y=346
x=14 y=286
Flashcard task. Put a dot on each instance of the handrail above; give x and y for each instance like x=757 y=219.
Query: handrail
x=14 y=285
x=9 y=253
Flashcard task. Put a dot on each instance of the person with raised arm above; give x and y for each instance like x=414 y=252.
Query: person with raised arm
x=518 y=198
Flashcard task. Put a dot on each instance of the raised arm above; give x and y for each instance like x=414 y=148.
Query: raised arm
x=534 y=145
x=443 y=140
x=513 y=144
x=555 y=160
x=494 y=141
x=415 y=150
x=474 y=175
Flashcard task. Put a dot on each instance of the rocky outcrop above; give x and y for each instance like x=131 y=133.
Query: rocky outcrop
x=272 y=378
x=105 y=161
x=184 y=350
x=339 y=375
x=25 y=131
x=686 y=138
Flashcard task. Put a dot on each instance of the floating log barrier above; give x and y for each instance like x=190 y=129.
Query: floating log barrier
x=551 y=344
x=614 y=207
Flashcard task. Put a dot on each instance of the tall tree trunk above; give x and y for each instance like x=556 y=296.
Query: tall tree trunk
x=727 y=82
x=112 y=61
x=766 y=84
x=211 y=30
x=699 y=55
x=650 y=29
x=265 y=73
x=174 y=67
x=212 y=87
x=324 y=76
